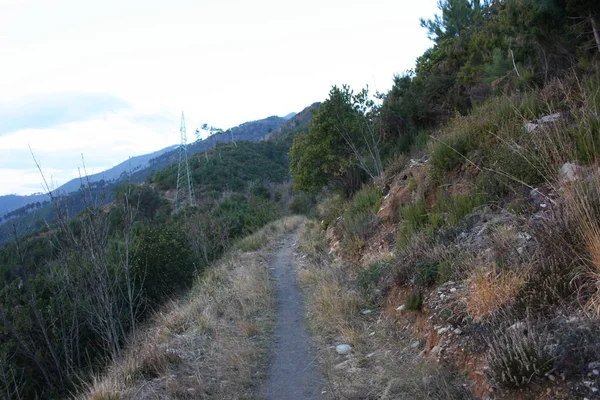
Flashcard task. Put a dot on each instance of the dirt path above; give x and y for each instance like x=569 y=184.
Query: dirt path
x=294 y=373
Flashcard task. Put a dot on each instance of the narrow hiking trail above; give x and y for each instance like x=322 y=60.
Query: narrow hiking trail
x=294 y=372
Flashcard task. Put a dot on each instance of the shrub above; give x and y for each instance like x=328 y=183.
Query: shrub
x=303 y=203
x=449 y=152
x=367 y=281
x=455 y=206
x=162 y=261
x=518 y=354
x=414 y=301
x=368 y=198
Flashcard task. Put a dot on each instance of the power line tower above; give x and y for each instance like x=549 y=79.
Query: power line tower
x=185 y=189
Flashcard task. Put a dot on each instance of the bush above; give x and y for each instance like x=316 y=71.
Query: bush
x=367 y=281
x=162 y=261
x=456 y=206
x=414 y=301
x=517 y=354
x=368 y=198
x=303 y=204
x=449 y=152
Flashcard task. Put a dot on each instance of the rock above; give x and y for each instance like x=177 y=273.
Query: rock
x=436 y=350
x=343 y=349
x=547 y=119
x=552 y=378
x=414 y=345
x=594 y=365
x=366 y=311
x=441 y=331
x=524 y=236
x=570 y=172
x=530 y=127
x=452 y=290
x=457 y=331
x=401 y=308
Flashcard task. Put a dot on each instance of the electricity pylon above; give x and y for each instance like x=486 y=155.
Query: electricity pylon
x=185 y=189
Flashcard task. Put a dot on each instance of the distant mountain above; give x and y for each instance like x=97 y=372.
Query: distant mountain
x=252 y=131
x=132 y=165
x=297 y=123
x=289 y=116
x=140 y=167
x=11 y=202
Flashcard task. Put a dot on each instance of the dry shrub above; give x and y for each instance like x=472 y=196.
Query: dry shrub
x=519 y=353
x=492 y=291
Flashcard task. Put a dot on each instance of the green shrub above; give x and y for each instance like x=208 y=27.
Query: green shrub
x=414 y=301
x=367 y=281
x=368 y=198
x=456 y=206
x=303 y=203
x=162 y=261
x=449 y=152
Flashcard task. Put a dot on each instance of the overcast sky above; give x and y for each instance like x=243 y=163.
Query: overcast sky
x=108 y=79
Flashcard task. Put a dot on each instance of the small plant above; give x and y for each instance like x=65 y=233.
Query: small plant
x=251 y=243
x=518 y=354
x=491 y=291
x=368 y=198
x=414 y=301
x=449 y=152
x=368 y=279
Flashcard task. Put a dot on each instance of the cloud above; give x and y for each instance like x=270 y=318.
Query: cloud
x=102 y=141
x=52 y=109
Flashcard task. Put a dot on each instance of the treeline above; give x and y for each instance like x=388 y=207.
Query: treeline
x=21 y=211
x=73 y=294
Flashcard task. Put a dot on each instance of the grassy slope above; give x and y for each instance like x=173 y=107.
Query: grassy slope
x=213 y=342
x=484 y=236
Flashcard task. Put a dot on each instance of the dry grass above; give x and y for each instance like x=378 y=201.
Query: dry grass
x=489 y=292
x=382 y=363
x=210 y=345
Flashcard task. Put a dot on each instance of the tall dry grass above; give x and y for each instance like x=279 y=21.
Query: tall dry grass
x=210 y=345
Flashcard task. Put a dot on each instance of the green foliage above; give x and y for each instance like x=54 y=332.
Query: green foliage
x=361 y=214
x=231 y=167
x=456 y=206
x=162 y=261
x=414 y=301
x=303 y=203
x=342 y=142
x=368 y=198
x=367 y=281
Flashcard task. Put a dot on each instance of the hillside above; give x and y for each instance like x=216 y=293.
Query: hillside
x=455 y=246
x=101 y=261
x=135 y=170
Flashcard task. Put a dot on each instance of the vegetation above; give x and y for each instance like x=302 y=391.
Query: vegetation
x=486 y=215
x=73 y=294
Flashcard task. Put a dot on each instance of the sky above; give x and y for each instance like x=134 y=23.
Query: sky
x=107 y=80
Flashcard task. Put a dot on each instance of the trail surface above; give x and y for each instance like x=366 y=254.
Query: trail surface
x=293 y=373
